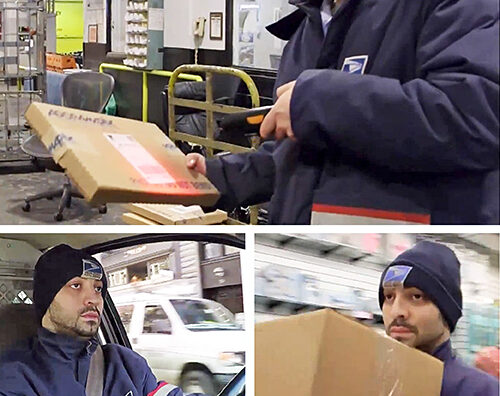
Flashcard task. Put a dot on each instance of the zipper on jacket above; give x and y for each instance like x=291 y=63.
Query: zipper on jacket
x=89 y=352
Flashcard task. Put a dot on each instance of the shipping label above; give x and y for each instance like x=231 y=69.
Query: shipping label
x=137 y=156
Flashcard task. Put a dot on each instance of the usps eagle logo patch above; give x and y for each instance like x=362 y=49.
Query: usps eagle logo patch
x=355 y=64
x=396 y=275
x=91 y=270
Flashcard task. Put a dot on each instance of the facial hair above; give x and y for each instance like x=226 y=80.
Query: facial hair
x=71 y=325
x=401 y=323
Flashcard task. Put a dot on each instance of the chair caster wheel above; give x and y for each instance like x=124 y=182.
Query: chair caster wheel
x=58 y=217
x=103 y=209
x=26 y=207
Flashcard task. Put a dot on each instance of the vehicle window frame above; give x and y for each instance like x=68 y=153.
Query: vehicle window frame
x=160 y=306
x=111 y=325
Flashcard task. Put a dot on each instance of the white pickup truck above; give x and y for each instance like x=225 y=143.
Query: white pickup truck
x=191 y=342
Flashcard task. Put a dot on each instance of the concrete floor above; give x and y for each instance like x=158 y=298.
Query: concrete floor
x=15 y=187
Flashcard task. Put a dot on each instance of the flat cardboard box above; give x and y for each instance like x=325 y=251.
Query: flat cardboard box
x=176 y=214
x=324 y=353
x=112 y=159
x=135 y=219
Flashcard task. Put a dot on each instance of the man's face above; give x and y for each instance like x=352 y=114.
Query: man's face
x=76 y=309
x=411 y=318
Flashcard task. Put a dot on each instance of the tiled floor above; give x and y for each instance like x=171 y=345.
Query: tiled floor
x=15 y=187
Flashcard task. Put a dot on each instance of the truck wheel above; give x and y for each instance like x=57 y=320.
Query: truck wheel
x=197 y=381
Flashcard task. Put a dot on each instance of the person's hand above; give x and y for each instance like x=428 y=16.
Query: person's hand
x=197 y=162
x=278 y=120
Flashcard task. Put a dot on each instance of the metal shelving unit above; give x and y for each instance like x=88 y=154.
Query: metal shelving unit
x=22 y=69
x=144 y=34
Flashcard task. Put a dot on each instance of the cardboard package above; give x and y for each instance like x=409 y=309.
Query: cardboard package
x=112 y=159
x=155 y=214
x=58 y=62
x=324 y=353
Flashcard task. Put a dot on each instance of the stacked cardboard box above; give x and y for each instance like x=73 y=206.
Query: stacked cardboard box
x=324 y=353
x=57 y=62
x=155 y=214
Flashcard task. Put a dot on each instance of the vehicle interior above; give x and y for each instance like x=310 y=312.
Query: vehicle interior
x=17 y=315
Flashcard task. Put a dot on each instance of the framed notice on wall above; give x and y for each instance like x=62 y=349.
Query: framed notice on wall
x=216 y=25
x=93 y=33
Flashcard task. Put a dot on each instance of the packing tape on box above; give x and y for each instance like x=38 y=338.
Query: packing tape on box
x=388 y=373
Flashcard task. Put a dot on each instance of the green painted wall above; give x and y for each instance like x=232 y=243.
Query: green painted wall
x=69 y=26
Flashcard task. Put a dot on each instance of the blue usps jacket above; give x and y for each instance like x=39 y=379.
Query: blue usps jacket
x=461 y=380
x=57 y=365
x=395 y=111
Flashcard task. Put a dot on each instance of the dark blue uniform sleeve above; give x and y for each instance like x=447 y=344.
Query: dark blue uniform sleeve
x=149 y=383
x=243 y=179
x=445 y=120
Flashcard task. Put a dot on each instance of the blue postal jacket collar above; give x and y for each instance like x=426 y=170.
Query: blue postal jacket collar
x=63 y=347
x=444 y=352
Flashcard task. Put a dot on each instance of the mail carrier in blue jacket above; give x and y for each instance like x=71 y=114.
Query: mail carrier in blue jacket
x=395 y=113
x=462 y=380
x=57 y=365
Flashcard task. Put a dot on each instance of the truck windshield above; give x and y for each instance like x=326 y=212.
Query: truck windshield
x=205 y=315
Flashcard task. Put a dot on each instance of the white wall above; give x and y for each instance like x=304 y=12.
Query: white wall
x=118 y=25
x=94 y=12
x=179 y=19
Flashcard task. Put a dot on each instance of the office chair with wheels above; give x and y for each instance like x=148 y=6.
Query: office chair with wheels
x=84 y=91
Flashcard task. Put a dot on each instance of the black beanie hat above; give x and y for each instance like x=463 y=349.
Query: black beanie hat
x=56 y=267
x=432 y=268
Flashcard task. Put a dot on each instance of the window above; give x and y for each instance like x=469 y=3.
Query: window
x=118 y=278
x=156 y=320
x=212 y=250
x=205 y=315
x=160 y=267
x=125 y=312
x=138 y=272
x=254 y=45
x=231 y=250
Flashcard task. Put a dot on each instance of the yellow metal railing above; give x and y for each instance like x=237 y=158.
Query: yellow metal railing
x=145 y=73
x=209 y=107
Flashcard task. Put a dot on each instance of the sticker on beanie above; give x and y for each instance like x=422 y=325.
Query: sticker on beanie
x=396 y=275
x=91 y=270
